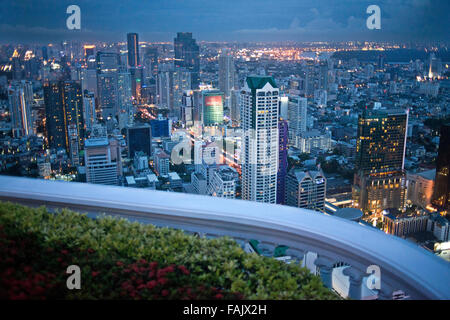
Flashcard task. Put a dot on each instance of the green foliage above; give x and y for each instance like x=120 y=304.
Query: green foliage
x=217 y=263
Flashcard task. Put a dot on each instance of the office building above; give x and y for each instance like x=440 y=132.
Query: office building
x=161 y=163
x=297 y=116
x=107 y=88
x=380 y=151
x=20 y=99
x=139 y=138
x=89 y=112
x=171 y=85
x=151 y=62
x=223 y=183
x=161 y=127
x=212 y=102
x=401 y=224
x=187 y=108
x=63 y=106
x=102 y=160
x=283 y=137
x=306 y=189
x=226 y=75
x=259 y=150
x=314 y=141
x=420 y=187
x=441 y=195
x=187 y=55
x=133 y=49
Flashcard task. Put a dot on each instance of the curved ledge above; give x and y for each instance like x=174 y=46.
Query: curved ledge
x=403 y=265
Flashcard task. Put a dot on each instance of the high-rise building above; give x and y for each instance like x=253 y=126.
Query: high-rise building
x=223 y=183
x=323 y=76
x=420 y=187
x=226 y=74
x=133 y=49
x=171 y=85
x=297 y=116
x=380 y=178
x=306 y=189
x=89 y=113
x=283 y=137
x=161 y=127
x=441 y=194
x=124 y=91
x=161 y=163
x=259 y=151
x=20 y=98
x=314 y=141
x=283 y=110
x=151 y=62
x=187 y=55
x=139 y=138
x=103 y=161
x=212 y=107
x=187 y=108
x=73 y=145
x=107 y=69
x=88 y=50
x=63 y=106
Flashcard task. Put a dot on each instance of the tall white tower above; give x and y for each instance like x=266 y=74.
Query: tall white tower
x=297 y=115
x=259 y=154
x=226 y=74
x=20 y=97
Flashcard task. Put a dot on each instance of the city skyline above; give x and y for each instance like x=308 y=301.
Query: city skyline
x=328 y=156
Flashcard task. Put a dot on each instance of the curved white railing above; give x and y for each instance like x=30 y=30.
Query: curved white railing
x=403 y=265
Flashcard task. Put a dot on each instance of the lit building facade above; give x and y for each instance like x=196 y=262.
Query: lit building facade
x=20 y=98
x=380 y=182
x=259 y=150
x=441 y=195
x=306 y=189
x=283 y=137
x=103 y=161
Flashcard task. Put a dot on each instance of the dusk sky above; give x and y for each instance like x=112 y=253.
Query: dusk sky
x=224 y=20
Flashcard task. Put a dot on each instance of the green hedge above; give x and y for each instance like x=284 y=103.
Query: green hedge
x=118 y=250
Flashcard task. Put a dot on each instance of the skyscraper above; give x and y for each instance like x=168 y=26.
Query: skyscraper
x=226 y=74
x=441 y=195
x=133 y=49
x=107 y=69
x=380 y=178
x=187 y=55
x=171 y=85
x=259 y=153
x=323 y=76
x=20 y=98
x=89 y=112
x=63 y=107
x=212 y=107
x=103 y=161
x=306 y=189
x=151 y=62
x=282 y=160
x=297 y=113
x=139 y=138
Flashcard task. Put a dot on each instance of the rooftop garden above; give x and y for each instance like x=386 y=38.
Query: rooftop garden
x=120 y=259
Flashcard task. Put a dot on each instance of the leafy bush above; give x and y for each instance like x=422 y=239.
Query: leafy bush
x=124 y=260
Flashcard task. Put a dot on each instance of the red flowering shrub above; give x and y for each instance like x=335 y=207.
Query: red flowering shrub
x=29 y=271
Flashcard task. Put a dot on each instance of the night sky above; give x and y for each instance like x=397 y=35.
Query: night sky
x=224 y=20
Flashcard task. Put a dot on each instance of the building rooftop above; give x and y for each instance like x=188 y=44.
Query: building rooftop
x=349 y=214
x=96 y=142
x=258 y=82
